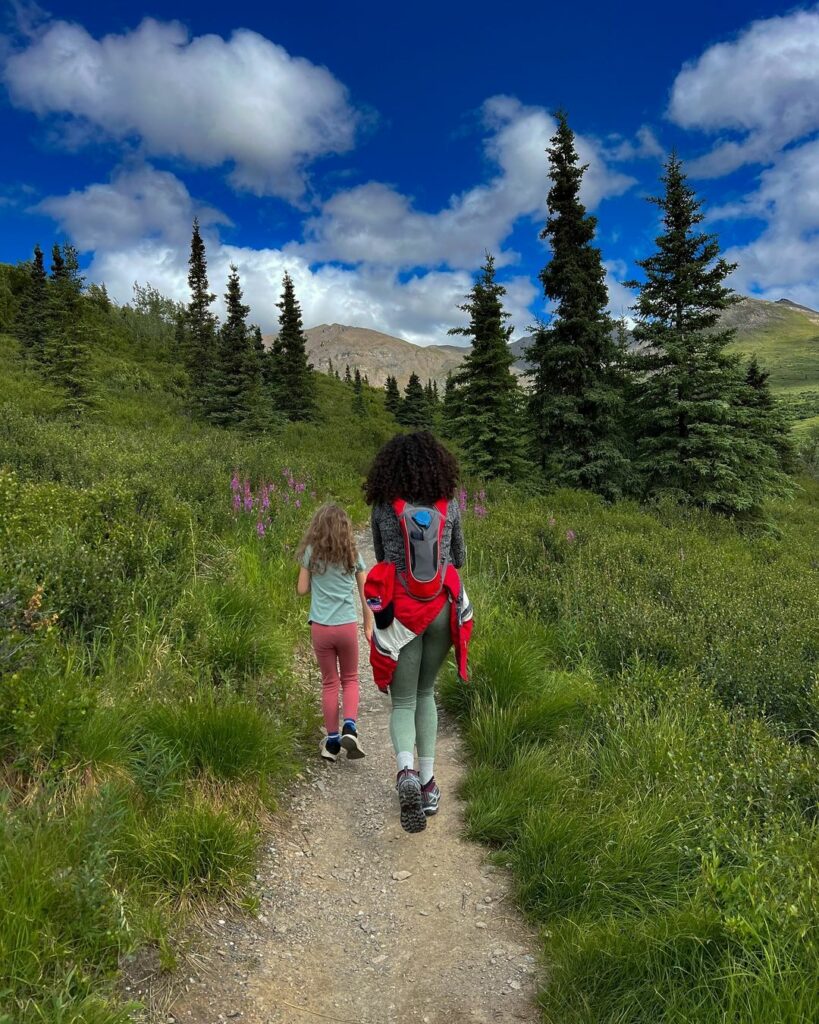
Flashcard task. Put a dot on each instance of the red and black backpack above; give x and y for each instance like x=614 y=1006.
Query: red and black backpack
x=422 y=527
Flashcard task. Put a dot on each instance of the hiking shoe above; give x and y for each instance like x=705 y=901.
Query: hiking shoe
x=408 y=785
x=430 y=797
x=351 y=743
x=329 y=749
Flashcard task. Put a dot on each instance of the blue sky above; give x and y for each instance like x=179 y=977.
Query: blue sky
x=375 y=153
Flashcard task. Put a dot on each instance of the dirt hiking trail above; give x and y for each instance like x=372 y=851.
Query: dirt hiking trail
x=360 y=921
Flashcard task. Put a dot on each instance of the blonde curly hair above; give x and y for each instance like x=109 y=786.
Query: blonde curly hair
x=330 y=539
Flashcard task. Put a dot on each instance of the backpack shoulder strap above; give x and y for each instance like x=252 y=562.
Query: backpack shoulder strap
x=398 y=506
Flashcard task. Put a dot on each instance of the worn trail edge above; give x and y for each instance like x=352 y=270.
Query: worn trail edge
x=339 y=937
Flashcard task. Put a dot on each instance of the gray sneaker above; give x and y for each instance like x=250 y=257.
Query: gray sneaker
x=410 y=800
x=430 y=797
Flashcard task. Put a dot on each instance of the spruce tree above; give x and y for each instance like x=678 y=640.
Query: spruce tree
x=489 y=423
x=295 y=385
x=201 y=325
x=764 y=417
x=236 y=378
x=450 y=408
x=67 y=353
x=413 y=412
x=577 y=397
x=392 y=399
x=32 y=314
x=58 y=271
x=358 y=394
x=690 y=407
x=347 y=376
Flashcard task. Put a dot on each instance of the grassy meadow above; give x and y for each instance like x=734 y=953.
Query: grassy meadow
x=149 y=715
x=641 y=722
x=641 y=728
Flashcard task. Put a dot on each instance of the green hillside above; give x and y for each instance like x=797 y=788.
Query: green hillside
x=640 y=723
x=785 y=340
x=148 y=708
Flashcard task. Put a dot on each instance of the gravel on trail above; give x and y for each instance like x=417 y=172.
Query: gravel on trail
x=359 y=921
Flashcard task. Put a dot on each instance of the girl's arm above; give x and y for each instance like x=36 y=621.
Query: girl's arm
x=368 y=615
x=303 y=584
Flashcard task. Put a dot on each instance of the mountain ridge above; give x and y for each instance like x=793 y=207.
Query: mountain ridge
x=784 y=335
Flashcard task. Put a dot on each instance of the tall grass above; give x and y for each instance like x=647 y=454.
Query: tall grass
x=643 y=687
x=148 y=708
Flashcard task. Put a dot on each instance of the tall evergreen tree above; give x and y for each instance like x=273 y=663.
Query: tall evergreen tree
x=32 y=314
x=450 y=410
x=489 y=423
x=295 y=385
x=765 y=418
x=236 y=380
x=67 y=348
x=358 y=394
x=392 y=399
x=201 y=324
x=576 y=402
x=413 y=412
x=58 y=271
x=694 y=435
x=347 y=376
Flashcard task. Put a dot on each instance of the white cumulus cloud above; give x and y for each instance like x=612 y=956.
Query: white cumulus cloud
x=242 y=101
x=783 y=261
x=375 y=223
x=139 y=204
x=758 y=92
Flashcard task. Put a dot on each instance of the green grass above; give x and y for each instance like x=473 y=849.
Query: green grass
x=787 y=345
x=148 y=709
x=639 y=693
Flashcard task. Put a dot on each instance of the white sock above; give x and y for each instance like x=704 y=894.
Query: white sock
x=425 y=769
x=404 y=759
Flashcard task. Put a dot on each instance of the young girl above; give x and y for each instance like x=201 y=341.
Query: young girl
x=331 y=569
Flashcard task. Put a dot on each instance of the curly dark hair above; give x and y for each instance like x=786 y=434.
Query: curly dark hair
x=412 y=466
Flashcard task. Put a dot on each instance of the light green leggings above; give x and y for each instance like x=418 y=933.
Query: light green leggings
x=414 y=717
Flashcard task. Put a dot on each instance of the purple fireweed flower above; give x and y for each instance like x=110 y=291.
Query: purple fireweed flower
x=480 y=511
x=237 y=502
x=234 y=482
x=265 y=498
x=248 y=503
x=260 y=528
x=462 y=499
x=298 y=503
x=300 y=487
x=571 y=536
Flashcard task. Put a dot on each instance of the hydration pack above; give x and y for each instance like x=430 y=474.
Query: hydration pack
x=422 y=527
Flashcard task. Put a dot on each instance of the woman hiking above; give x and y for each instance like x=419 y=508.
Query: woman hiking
x=420 y=607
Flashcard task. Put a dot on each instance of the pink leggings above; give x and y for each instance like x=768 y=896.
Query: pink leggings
x=336 y=649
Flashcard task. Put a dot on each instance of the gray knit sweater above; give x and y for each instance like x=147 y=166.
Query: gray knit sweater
x=388 y=540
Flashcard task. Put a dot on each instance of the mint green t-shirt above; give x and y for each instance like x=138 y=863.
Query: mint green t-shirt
x=332 y=593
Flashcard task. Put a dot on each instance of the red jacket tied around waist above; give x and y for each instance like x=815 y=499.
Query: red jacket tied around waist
x=400 y=618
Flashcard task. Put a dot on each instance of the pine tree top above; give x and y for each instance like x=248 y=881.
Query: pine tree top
x=684 y=288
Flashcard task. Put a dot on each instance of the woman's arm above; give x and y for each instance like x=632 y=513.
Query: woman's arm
x=378 y=543
x=303 y=584
x=368 y=615
x=457 y=546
